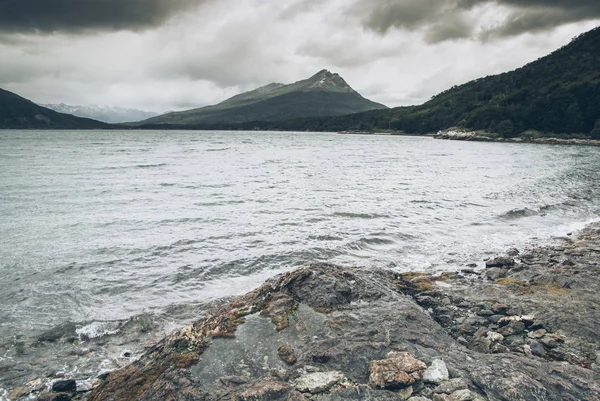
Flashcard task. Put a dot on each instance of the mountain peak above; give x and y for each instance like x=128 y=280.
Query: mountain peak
x=328 y=81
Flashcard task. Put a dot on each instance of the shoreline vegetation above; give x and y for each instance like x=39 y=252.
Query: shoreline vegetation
x=524 y=327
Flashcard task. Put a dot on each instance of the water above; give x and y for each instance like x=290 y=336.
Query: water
x=130 y=234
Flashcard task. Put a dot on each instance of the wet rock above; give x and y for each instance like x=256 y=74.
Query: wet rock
x=316 y=383
x=287 y=354
x=502 y=261
x=64 y=386
x=495 y=273
x=512 y=252
x=395 y=371
x=56 y=333
x=55 y=397
x=436 y=373
x=450 y=386
x=485 y=313
x=18 y=392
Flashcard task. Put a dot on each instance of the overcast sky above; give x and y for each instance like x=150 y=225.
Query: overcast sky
x=161 y=55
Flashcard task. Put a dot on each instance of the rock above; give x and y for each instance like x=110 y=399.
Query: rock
x=405 y=393
x=495 y=273
x=512 y=252
x=436 y=373
x=500 y=309
x=495 y=318
x=549 y=342
x=537 y=349
x=450 y=386
x=461 y=395
x=418 y=399
x=536 y=334
x=55 y=397
x=440 y=397
x=316 y=383
x=287 y=354
x=64 y=386
x=395 y=371
x=514 y=327
x=494 y=337
x=18 y=392
x=485 y=313
x=268 y=390
x=502 y=261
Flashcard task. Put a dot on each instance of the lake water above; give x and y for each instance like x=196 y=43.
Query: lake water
x=103 y=229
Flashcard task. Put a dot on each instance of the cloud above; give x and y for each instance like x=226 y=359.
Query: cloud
x=441 y=20
x=23 y=16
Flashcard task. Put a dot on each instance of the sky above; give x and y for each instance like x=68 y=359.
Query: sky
x=162 y=55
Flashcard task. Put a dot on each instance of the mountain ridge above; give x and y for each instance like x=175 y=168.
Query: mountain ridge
x=323 y=94
x=16 y=112
x=555 y=94
x=107 y=114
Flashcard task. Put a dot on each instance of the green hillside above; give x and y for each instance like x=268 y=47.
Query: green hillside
x=19 y=113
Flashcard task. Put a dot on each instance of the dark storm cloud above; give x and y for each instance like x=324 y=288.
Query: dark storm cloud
x=25 y=16
x=447 y=19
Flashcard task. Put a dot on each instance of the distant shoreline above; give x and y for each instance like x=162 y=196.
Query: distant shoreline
x=482 y=137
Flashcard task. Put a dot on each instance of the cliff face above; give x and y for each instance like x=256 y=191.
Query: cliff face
x=524 y=329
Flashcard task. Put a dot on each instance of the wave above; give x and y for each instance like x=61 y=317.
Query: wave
x=98 y=329
x=150 y=165
x=217 y=150
x=360 y=215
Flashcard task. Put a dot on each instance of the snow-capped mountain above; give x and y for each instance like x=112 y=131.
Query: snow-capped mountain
x=102 y=113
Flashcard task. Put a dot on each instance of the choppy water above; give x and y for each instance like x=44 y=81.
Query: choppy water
x=98 y=228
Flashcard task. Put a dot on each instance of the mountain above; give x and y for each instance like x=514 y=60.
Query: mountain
x=558 y=94
x=20 y=113
x=111 y=115
x=324 y=94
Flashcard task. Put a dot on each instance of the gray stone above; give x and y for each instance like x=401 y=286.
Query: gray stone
x=320 y=382
x=537 y=349
x=495 y=273
x=461 y=395
x=502 y=261
x=436 y=373
x=450 y=386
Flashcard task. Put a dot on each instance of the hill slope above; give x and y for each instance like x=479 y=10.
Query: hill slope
x=20 y=113
x=324 y=94
x=559 y=93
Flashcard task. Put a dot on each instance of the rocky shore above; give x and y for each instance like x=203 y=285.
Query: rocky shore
x=525 y=328
x=486 y=137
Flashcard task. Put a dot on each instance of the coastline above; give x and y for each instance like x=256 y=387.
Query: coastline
x=526 y=327
x=482 y=137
